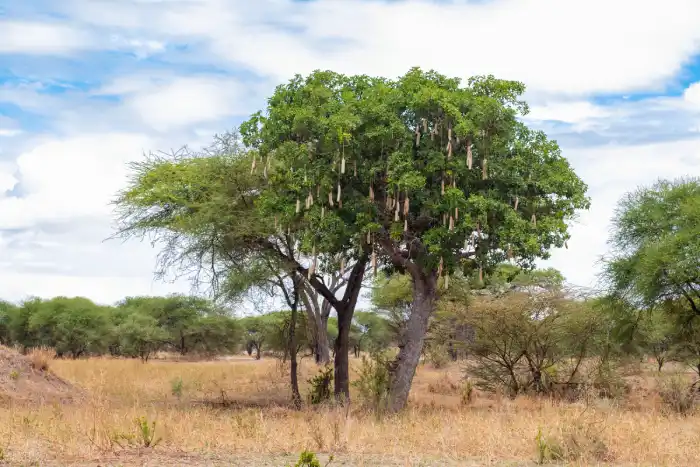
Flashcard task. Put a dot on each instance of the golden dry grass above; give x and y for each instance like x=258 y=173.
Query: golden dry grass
x=238 y=409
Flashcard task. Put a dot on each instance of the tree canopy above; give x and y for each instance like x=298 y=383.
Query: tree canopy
x=656 y=245
x=422 y=174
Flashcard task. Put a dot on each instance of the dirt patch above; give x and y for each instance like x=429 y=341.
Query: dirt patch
x=30 y=380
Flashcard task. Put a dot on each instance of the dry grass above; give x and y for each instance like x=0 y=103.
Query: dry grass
x=240 y=409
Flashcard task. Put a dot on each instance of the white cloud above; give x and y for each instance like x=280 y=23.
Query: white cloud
x=7 y=182
x=570 y=112
x=610 y=172
x=692 y=95
x=70 y=178
x=23 y=37
x=573 y=47
x=9 y=132
x=52 y=238
x=105 y=290
x=168 y=103
x=563 y=51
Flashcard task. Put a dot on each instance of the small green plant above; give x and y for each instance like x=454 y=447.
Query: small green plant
x=146 y=432
x=547 y=449
x=14 y=375
x=467 y=392
x=373 y=382
x=321 y=386
x=176 y=387
x=309 y=459
x=2 y=454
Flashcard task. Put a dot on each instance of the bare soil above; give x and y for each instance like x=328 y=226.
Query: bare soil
x=30 y=381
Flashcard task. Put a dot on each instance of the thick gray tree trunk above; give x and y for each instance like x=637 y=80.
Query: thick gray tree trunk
x=317 y=316
x=403 y=368
x=323 y=350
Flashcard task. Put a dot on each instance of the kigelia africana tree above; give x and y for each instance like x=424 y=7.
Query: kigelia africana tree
x=420 y=174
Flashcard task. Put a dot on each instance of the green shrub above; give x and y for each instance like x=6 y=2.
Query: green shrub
x=176 y=387
x=373 y=382
x=146 y=432
x=309 y=459
x=321 y=386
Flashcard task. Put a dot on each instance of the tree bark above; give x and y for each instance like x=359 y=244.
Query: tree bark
x=294 y=377
x=345 y=310
x=404 y=367
x=294 y=371
x=318 y=322
x=323 y=351
x=341 y=362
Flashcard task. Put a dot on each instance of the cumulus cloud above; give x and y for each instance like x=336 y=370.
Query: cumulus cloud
x=70 y=178
x=573 y=47
x=692 y=95
x=610 y=172
x=168 y=103
x=219 y=59
x=24 y=37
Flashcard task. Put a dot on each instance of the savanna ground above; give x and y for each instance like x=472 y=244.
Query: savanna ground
x=236 y=412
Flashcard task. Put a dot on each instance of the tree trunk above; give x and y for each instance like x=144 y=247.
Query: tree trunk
x=294 y=378
x=411 y=342
x=341 y=362
x=318 y=323
x=323 y=351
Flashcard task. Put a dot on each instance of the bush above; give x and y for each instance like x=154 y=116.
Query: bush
x=39 y=358
x=576 y=442
x=321 y=386
x=373 y=382
x=608 y=383
x=530 y=342
x=176 y=387
x=466 y=392
x=677 y=396
x=309 y=459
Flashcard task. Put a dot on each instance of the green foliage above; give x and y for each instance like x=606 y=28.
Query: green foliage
x=372 y=331
x=72 y=326
x=146 y=432
x=140 y=336
x=321 y=386
x=656 y=243
x=530 y=342
x=7 y=309
x=313 y=124
x=344 y=167
x=309 y=459
x=373 y=382
x=191 y=323
x=176 y=387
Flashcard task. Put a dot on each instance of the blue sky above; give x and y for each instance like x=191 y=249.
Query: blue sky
x=88 y=85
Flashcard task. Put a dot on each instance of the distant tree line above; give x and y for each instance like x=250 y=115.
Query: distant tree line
x=138 y=327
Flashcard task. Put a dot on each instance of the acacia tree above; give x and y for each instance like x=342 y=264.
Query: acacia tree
x=420 y=174
x=208 y=212
x=656 y=246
